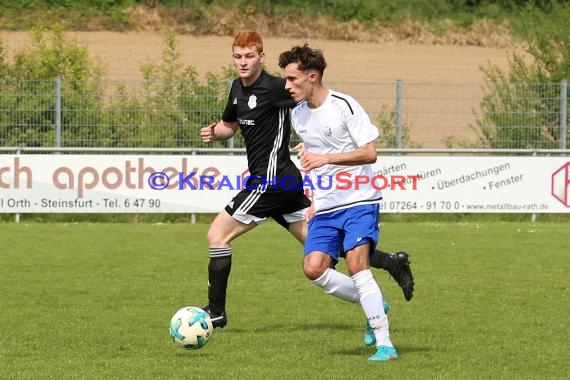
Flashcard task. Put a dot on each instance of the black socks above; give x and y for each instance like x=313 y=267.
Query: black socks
x=218 y=274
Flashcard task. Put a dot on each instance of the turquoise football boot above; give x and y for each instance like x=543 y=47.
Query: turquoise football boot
x=384 y=354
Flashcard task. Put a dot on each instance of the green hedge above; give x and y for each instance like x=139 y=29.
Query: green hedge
x=462 y=11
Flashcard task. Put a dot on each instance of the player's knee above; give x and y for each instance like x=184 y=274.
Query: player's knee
x=216 y=238
x=313 y=271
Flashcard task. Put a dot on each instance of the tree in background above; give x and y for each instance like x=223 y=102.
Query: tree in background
x=28 y=87
x=522 y=107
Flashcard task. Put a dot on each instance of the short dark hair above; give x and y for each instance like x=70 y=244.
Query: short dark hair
x=306 y=58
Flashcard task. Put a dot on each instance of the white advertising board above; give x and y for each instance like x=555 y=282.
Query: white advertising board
x=64 y=183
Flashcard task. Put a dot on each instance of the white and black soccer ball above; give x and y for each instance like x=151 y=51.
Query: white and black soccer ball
x=191 y=328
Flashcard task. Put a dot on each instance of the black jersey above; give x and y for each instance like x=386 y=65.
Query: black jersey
x=262 y=112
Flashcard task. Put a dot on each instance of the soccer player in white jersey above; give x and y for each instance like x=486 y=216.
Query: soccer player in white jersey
x=338 y=140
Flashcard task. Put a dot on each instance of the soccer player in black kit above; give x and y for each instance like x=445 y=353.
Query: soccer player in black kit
x=258 y=105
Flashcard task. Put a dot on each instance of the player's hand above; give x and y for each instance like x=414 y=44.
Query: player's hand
x=298 y=147
x=311 y=160
x=207 y=133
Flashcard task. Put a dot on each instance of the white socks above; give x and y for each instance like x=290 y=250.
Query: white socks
x=363 y=288
x=373 y=305
x=337 y=284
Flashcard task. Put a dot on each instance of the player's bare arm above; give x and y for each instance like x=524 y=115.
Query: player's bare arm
x=365 y=154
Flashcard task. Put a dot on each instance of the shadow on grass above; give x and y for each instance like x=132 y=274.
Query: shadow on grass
x=287 y=327
x=359 y=350
x=367 y=350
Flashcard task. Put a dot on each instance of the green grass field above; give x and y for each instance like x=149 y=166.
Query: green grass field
x=93 y=301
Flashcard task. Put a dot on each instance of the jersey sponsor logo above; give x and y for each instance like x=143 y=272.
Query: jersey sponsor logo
x=328 y=132
x=246 y=122
x=252 y=102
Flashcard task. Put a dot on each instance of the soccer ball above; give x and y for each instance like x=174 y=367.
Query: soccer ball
x=191 y=328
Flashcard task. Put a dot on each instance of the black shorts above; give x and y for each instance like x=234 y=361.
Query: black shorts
x=285 y=206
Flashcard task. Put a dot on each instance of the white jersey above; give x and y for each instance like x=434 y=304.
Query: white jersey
x=339 y=125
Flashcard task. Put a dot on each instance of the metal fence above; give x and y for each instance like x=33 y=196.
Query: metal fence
x=57 y=113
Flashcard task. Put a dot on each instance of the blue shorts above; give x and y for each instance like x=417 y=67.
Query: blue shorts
x=343 y=230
